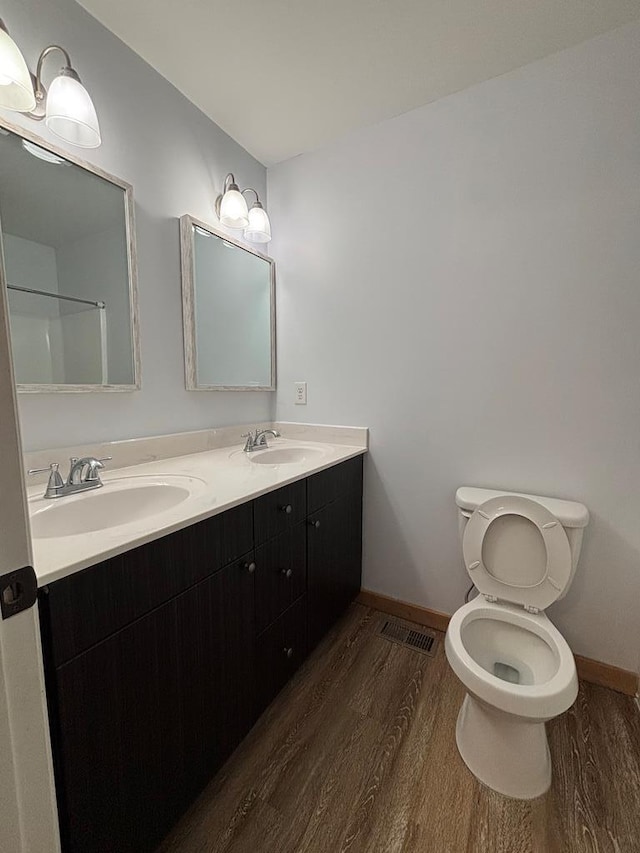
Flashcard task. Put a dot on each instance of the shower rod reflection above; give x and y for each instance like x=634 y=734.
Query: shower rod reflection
x=95 y=304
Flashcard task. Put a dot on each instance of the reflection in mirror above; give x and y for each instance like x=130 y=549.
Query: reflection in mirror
x=67 y=236
x=229 y=312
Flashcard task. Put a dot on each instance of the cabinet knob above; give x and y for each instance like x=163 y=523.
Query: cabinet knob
x=287 y=508
x=287 y=573
x=315 y=524
x=250 y=567
x=288 y=652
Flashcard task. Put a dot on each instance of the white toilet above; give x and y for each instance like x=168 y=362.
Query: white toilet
x=521 y=552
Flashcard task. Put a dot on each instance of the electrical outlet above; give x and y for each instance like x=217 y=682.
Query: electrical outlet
x=300 y=393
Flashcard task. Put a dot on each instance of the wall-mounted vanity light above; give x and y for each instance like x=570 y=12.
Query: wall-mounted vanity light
x=66 y=108
x=16 y=88
x=233 y=212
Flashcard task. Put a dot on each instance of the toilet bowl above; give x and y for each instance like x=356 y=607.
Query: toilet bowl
x=519 y=672
x=517 y=668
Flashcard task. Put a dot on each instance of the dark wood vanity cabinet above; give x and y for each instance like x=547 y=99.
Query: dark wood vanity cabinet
x=159 y=661
x=334 y=559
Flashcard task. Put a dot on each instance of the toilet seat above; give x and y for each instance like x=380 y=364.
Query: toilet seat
x=551 y=580
x=540 y=701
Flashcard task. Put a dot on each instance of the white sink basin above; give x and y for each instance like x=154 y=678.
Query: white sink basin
x=118 y=502
x=286 y=455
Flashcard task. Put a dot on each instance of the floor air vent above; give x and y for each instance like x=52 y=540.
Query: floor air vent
x=419 y=640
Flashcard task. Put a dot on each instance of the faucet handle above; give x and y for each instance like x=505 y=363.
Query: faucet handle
x=55 y=480
x=252 y=438
x=52 y=466
x=94 y=465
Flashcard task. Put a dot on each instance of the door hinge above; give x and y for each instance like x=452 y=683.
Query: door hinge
x=18 y=591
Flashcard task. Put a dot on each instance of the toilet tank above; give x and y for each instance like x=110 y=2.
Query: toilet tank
x=573 y=516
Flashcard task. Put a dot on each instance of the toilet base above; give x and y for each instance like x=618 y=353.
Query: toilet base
x=507 y=754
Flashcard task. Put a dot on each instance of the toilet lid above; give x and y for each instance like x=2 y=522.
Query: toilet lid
x=515 y=550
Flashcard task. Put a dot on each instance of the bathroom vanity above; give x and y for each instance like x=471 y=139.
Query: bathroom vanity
x=159 y=659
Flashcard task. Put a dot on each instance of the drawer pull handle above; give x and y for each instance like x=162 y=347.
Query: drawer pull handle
x=288 y=652
x=287 y=508
x=287 y=573
x=315 y=524
x=250 y=567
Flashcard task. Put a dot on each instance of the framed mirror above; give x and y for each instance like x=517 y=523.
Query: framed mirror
x=69 y=266
x=228 y=305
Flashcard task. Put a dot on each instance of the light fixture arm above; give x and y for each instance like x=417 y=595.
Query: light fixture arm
x=251 y=190
x=229 y=183
x=39 y=90
x=257 y=202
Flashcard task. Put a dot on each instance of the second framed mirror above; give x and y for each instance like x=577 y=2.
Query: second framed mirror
x=228 y=305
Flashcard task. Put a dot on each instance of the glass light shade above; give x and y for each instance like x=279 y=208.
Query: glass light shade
x=16 y=89
x=71 y=114
x=233 y=210
x=259 y=228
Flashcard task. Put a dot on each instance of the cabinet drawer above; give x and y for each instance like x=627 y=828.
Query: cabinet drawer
x=330 y=484
x=279 y=652
x=281 y=574
x=84 y=608
x=279 y=511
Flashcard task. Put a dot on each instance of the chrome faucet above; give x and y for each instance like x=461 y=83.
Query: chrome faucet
x=83 y=475
x=258 y=440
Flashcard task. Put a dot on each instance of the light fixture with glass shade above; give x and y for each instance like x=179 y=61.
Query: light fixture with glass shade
x=259 y=228
x=233 y=212
x=16 y=87
x=230 y=206
x=68 y=109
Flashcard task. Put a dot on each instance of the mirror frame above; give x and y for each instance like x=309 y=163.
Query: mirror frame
x=132 y=265
x=187 y=224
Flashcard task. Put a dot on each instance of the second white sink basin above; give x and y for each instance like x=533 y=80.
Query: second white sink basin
x=118 y=502
x=286 y=455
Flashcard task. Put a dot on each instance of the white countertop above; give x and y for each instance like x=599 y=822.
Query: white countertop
x=221 y=479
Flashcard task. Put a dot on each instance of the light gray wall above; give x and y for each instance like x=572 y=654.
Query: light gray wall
x=176 y=160
x=463 y=279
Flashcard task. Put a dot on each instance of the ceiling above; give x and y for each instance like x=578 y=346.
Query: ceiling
x=287 y=76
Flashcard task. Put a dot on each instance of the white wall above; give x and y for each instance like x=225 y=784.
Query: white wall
x=176 y=159
x=464 y=280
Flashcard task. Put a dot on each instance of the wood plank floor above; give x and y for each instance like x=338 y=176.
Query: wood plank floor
x=358 y=754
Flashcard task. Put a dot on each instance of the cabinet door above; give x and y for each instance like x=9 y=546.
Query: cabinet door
x=93 y=604
x=216 y=674
x=115 y=739
x=327 y=486
x=281 y=575
x=144 y=719
x=334 y=562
